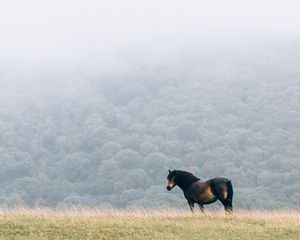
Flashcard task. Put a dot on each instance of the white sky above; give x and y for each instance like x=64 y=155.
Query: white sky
x=71 y=33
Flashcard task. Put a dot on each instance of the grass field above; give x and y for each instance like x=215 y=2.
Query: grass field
x=160 y=224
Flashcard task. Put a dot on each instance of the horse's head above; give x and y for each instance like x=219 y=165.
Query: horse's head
x=171 y=179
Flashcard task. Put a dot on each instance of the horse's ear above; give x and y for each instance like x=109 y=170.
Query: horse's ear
x=169 y=171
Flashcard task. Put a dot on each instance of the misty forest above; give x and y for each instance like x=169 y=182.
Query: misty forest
x=87 y=138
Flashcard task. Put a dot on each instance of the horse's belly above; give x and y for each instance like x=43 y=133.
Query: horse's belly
x=210 y=200
x=207 y=197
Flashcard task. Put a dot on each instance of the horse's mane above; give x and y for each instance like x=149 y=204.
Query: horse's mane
x=184 y=179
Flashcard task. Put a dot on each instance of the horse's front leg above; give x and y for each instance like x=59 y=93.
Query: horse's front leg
x=191 y=204
x=201 y=207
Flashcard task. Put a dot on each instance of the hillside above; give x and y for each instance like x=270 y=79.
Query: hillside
x=88 y=139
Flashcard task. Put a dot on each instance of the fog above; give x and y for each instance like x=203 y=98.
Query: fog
x=93 y=34
x=98 y=99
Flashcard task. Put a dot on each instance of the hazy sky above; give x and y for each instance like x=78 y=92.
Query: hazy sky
x=71 y=33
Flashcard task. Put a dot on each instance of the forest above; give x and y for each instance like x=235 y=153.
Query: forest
x=88 y=138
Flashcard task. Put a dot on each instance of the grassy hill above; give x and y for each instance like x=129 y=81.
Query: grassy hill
x=140 y=224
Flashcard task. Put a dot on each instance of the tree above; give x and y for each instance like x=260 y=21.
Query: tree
x=128 y=159
x=76 y=167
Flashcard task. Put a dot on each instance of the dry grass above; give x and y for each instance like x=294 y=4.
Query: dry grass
x=75 y=223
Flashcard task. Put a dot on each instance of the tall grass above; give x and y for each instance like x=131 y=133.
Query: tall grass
x=93 y=223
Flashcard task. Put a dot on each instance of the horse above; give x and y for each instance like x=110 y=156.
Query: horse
x=202 y=192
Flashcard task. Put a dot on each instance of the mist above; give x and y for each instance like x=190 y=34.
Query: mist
x=98 y=100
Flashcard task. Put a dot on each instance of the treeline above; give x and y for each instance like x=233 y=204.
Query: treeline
x=108 y=141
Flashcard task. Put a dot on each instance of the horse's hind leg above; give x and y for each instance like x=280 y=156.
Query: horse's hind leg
x=225 y=194
x=227 y=205
x=201 y=207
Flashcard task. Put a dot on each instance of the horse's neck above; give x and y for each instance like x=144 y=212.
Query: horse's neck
x=186 y=181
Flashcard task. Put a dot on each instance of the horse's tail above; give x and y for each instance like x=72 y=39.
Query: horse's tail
x=230 y=191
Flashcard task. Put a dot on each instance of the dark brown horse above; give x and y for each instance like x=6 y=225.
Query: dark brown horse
x=202 y=192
